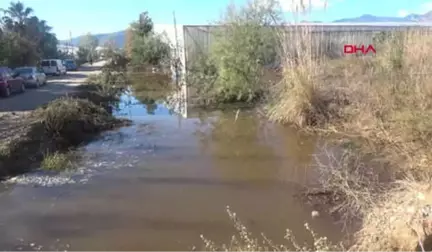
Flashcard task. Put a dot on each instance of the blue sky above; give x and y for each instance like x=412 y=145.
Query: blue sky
x=105 y=16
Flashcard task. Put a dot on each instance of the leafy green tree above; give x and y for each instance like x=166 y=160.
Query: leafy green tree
x=82 y=55
x=24 y=38
x=89 y=43
x=150 y=50
x=144 y=26
x=147 y=48
x=16 y=16
x=242 y=49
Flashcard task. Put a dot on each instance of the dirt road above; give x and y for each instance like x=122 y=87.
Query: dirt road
x=13 y=110
x=33 y=98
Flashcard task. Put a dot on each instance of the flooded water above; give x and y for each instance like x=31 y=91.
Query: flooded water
x=162 y=182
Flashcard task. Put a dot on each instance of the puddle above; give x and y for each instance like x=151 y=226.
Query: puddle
x=165 y=180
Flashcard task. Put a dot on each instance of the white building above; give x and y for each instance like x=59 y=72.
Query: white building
x=68 y=49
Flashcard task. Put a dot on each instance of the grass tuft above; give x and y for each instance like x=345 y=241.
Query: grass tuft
x=73 y=120
x=57 y=161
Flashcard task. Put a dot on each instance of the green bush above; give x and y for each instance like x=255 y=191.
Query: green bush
x=57 y=161
x=233 y=71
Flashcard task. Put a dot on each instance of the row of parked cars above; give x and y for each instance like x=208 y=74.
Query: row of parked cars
x=18 y=79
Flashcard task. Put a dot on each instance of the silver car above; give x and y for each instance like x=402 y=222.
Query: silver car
x=32 y=76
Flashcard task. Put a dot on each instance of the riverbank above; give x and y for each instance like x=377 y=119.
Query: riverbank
x=157 y=176
x=376 y=108
x=380 y=106
x=70 y=119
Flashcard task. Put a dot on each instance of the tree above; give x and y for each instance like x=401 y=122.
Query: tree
x=89 y=41
x=89 y=44
x=129 y=42
x=144 y=26
x=147 y=48
x=24 y=38
x=16 y=16
x=242 y=49
x=151 y=50
x=82 y=55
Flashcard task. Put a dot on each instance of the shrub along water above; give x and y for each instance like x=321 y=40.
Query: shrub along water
x=55 y=128
x=238 y=58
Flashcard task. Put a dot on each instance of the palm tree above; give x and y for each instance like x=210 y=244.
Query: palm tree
x=15 y=16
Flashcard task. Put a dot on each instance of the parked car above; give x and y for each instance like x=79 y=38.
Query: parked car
x=32 y=76
x=70 y=65
x=10 y=82
x=53 y=67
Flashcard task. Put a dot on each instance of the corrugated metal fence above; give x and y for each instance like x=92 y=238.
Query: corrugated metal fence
x=323 y=38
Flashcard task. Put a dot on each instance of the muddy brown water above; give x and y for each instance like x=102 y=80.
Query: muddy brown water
x=162 y=182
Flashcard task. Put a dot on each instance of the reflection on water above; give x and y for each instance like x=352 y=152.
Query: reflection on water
x=172 y=180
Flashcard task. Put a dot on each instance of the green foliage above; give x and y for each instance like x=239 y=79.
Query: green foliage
x=24 y=38
x=57 y=161
x=82 y=54
x=148 y=48
x=89 y=42
x=87 y=49
x=144 y=26
x=236 y=63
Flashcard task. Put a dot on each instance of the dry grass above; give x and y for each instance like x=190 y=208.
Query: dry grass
x=386 y=101
x=244 y=241
x=386 y=98
x=399 y=221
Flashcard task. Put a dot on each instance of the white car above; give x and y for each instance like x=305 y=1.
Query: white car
x=32 y=76
x=53 y=67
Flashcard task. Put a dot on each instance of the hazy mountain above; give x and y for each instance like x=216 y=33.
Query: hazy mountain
x=119 y=37
x=376 y=19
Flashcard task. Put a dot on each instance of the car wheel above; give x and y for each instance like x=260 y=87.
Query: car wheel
x=22 y=90
x=6 y=92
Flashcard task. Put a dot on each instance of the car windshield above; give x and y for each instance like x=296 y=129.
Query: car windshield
x=45 y=63
x=26 y=70
x=69 y=61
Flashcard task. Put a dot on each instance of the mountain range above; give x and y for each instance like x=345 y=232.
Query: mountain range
x=119 y=37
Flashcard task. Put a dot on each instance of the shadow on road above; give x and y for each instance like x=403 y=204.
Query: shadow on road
x=33 y=98
x=89 y=68
x=56 y=87
x=68 y=76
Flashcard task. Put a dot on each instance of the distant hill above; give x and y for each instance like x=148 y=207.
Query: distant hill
x=119 y=37
x=376 y=19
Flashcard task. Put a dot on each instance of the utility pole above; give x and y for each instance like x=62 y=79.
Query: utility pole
x=70 y=43
x=176 y=50
x=179 y=83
